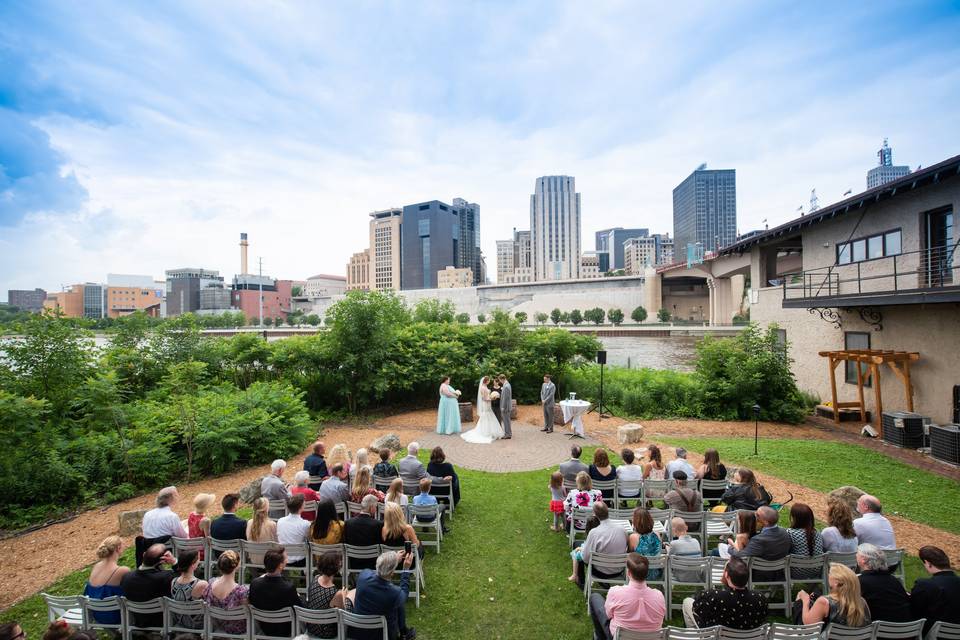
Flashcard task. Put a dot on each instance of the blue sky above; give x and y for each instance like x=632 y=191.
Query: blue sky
x=141 y=136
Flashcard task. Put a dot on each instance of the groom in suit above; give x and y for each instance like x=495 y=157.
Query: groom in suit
x=506 y=405
x=547 y=393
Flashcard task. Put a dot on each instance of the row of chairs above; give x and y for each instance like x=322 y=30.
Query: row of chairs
x=443 y=489
x=778 y=631
x=705 y=526
x=624 y=492
x=688 y=575
x=81 y=612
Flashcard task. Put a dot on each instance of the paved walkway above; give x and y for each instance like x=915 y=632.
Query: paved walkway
x=529 y=449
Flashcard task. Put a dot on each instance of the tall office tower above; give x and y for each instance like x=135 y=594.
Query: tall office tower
x=885 y=171
x=469 y=243
x=705 y=210
x=184 y=286
x=358 y=271
x=385 y=249
x=26 y=299
x=505 y=250
x=522 y=252
x=430 y=239
x=555 y=228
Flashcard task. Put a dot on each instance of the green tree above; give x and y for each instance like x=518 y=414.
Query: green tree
x=296 y=291
x=541 y=318
x=565 y=317
x=312 y=319
x=463 y=318
x=521 y=316
x=183 y=383
x=481 y=318
x=595 y=315
x=663 y=315
x=99 y=404
x=576 y=317
x=555 y=316
x=268 y=322
x=638 y=315
x=615 y=316
x=432 y=310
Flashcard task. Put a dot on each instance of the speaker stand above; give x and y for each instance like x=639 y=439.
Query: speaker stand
x=603 y=411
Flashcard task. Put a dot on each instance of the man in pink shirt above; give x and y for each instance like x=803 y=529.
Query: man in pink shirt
x=634 y=606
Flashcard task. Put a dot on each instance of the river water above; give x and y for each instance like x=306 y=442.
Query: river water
x=653 y=352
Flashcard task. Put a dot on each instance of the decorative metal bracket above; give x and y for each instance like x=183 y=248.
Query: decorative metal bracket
x=828 y=314
x=872 y=317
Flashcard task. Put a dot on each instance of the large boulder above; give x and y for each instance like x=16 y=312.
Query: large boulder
x=389 y=441
x=513 y=410
x=630 y=433
x=250 y=491
x=558 y=415
x=131 y=522
x=466 y=412
x=848 y=494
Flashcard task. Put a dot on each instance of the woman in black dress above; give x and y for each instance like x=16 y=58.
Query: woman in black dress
x=438 y=467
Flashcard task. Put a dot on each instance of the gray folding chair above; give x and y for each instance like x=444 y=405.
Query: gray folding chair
x=134 y=612
x=382 y=483
x=66 y=608
x=634 y=489
x=711 y=490
x=578 y=516
x=569 y=485
x=900 y=630
x=259 y=616
x=612 y=566
x=217 y=618
x=184 y=617
x=353 y=509
x=780 y=631
x=107 y=606
x=309 y=506
x=656 y=489
x=770 y=577
x=609 y=489
x=662 y=522
x=277 y=509
x=317 y=550
x=760 y=633
x=219 y=546
x=307 y=621
x=719 y=526
x=350 y=621
x=411 y=488
x=300 y=574
x=695 y=525
x=627 y=634
x=341 y=510
x=895 y=564
x=944 y=631
x=444 y=489
x=847 y=559
x=367 y=555
x=843 y=632
x=690 y=575
x=680 y=633
x=429 y=531
x=807 y=572
x=621 y=514
x=251 y=559
x=658 y=574
x=201 y=546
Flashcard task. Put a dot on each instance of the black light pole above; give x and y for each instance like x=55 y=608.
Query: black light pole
x=756 y=428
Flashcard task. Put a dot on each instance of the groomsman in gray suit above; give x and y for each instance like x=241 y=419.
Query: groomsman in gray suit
x=547 y=391
x=506 y=405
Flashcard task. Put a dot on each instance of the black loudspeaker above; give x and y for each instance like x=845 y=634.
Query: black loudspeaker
x=601 y=357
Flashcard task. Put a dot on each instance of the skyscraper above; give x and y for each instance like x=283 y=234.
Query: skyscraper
x=611 y=240
x=469 y=244
x=885 y=171
x=385 y=249
x=555 y=228
x=505 y=249
x=705 y=210
x=430 y=241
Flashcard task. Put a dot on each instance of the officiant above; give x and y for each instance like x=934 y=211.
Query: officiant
x=495 y=405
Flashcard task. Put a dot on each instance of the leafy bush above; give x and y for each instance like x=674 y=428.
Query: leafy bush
x=615 y=316
x=638 y=315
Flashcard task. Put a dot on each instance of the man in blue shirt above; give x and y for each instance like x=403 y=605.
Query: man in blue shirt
x=376 y=595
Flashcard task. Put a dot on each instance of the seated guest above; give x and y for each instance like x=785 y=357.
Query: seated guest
x=224 y=592
x=682 y=497
x=327 y=527
x=335 y=487
x=12 y=631
x=377 y=595
x=273 y=592
x=161 y=523
x=340 y=455
x=712 y=469
x=633 y=606
x=606 y=537
x=229 y=526
x=746 y=529
x=629 y=472
x=573 y=466
x=654 y=470
x=772 y=543
x=745 y=492
x=438 y=467
x=395 y=530
x=602 y=470
x=395 y=493
x=643 y=540
x=363 y=486
x=384 y=469
x=363 y=461
x=309 y=495
x=315 y=464
x=735 y=606
x=410 y=467
x=936 y=598
x=106 y=576
x=582 y=497
x=363 y=529
x=322 y=593
x=839 y=536
x=61 y=630
x=149 y=581
x=292 y=529
x=805 y=540
x=425 y=499
x=680 y=464
x=873 y=528
x=187 y=587
x=885 y=596
x=843 y=605
x=683 y=544
x=198 y=524
x=261 y=528
x=272 y=487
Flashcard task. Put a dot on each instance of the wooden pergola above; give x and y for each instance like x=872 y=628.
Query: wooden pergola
x=899 y=361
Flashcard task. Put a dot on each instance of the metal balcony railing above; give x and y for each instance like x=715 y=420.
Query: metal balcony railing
x=934 y=268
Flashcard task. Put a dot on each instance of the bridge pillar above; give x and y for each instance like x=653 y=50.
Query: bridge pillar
x=652 y=292
x=721 y=300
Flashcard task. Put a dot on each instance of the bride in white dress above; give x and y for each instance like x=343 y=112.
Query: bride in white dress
x=488 y=427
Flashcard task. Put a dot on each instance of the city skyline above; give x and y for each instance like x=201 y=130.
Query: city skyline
x=193 y=123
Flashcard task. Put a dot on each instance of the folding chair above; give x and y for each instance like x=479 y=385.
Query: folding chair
x=444 y=490
x=695 y=525
x=770 y=576
x=807 y=571
x=780 y=631
x=350 y=621
x=621 y=514
x=847 y=559
x=900 y=630
x=661 y=522
x=341 y=510
x=843 y=632
x=692 y=575
x=299 y=574
x=416 y=572
x=944 y=631
x=135 y=611
x=382 y=507
x=277 y=509
x=251 y=559
x=580 y=516
x=609 y=490
x=680 y=633
x=411 y=488
x=627 y=634
x=219 y=546
x=711 y=490
x=632 y=487
x=382 y=483
x=353 y=509
x=659 y=580
x=184 y=617
x=314 y=482
x=307 y=621
x=612 y=565
x=720 y=526
x=309 y=506
x=352 y=553
x=895 y=564
x=107 y=606
x=66 y=608
x=760 y=633
x=432 y=529
x=217 y=618
x=260 y=616
x=201 y=546
x=317 y=550
x=656 y=489
x=569 y=485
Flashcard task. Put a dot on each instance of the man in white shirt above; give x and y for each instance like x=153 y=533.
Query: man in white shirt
x=292 y=529
x=162 y=521
x=873 y=528
x=680 y=464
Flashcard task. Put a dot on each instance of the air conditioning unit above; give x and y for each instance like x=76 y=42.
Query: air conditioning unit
x=945 y=442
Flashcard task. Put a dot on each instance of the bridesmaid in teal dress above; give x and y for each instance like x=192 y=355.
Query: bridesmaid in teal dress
x=448 y=415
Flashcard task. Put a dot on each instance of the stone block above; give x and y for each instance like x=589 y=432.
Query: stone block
x=630 y=433
x=848 y=494
x=251 y=491
x=558 y=415
x=513 y=410
x=389 y=441
x=466 y=412
x=131 y=522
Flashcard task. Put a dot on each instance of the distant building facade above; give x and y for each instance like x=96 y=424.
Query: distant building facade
x=358 y=271
x=589 y=265
x=612 y=242
x=455 y=278
x=639 y=253
x=705 y=210
x=184 y=286
x=324 y=286
x=555 y=228
x=885 y=171
x=430 y=241
x=665 y=253
x=505 y=267
x=26 y=299
x=245 y=296
x=385 y=228
x=468 y=247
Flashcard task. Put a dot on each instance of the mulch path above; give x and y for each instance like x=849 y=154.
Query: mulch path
x=32 y=561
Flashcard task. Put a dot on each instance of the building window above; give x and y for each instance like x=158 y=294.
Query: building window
x=424 y=227
x=881 y=245
x=855 y=340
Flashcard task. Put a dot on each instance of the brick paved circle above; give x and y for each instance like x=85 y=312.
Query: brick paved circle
x=529 y=449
